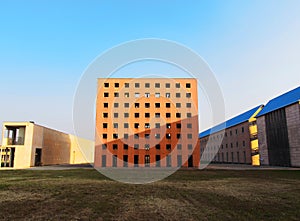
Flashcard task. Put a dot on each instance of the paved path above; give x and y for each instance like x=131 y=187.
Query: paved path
x=247 y=167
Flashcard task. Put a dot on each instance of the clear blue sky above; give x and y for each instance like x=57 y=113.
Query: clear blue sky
x=253 y=47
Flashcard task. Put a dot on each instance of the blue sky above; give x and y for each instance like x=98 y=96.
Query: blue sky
x=252 y=46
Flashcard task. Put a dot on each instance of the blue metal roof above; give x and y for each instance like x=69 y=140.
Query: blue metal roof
x=230 y=123
x=281 y=101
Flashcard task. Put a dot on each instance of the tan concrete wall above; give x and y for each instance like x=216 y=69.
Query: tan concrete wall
x=23 y=153
x=262 y=141
x=82 y=150
x=293 y=125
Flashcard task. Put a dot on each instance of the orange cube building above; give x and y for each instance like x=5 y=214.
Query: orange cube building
x=147 y=122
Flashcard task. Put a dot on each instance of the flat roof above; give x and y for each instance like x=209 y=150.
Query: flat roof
x=231 y=122
x=281 y=101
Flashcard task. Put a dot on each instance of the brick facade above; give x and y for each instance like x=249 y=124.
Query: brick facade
x=293 y=124
x=234 y=145
x=262 y=140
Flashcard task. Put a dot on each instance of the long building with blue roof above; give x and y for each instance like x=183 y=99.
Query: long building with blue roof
x=233 y=141
x=279 y=130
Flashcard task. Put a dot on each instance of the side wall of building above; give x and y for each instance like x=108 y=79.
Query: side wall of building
x=82 y=150
x=55 y=147
x=293 y=125
x=235 y=145
x=262 y=140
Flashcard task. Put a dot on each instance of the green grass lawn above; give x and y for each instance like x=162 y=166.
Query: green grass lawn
x=84 y=194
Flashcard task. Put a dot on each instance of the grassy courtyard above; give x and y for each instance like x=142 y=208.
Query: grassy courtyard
x=84 y=194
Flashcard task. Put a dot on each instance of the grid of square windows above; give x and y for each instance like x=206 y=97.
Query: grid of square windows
x=147 y=114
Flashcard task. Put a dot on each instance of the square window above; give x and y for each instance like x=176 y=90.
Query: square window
x=168 y=95
x=178 y=136
x=126 y=115
x=168 y=125
x=136 y=115
x=168 y=146
x=147 y=136
x=147 y=125
x=157 y=136
x=157 y=105
x=115 y=146
x=157 y=95
x=126 y=105
x=117 y=85
x=188 y=95
x=188 y=115
x=168 y=105
x=157 y=125
x=179 y=146
x=116 y=125
x=137 y=85
x=125 y=136
x=115 y=136
x=147 y=105
x=190 y=146
x=104 y=146
x=136 y=95
x=126 y=125
x=116 y=115
x=136 y=136
x=105 y=115
x=189 y=125
x=106 y=94
x=136 y=125
x=177 y=85
x=178 y=115
x=157 y=115
x=189 y=136
x=178 y=95
x=104 y=125
x=105 y=105
x=116 y=94
x=116 y=105
x=168 y=85
x=178 y=126
x=136 y=105
x=168 y=136
x=168 y=115
x=157 y=85
x=157 y=146
x=147 y=85
x=125 y=146
x=178 y=105
x=147 y=146
x=127 y=85
x=136 y=146
x=126 y=94
x=147 y=95
x=188 y=105
x=106 y=84
x=147 y=115
x=188 y=85
x=104 y=136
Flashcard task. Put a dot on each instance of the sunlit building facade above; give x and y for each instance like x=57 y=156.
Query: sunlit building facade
x=26 y=144
x=147 y=122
